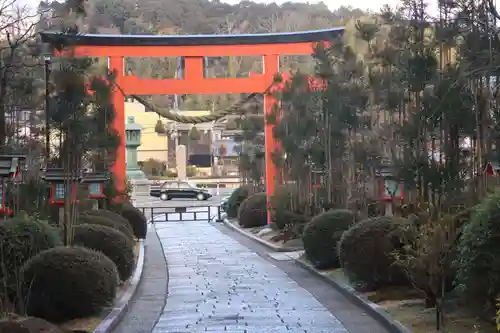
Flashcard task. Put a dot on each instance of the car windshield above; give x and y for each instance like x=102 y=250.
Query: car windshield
x=169 y=185
x=187 y=185
x=192 y=185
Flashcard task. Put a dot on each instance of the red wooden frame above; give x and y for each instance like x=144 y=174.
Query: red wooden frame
x=269 y=46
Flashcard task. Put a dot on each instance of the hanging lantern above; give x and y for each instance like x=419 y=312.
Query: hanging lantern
x=194 y=134
x=159 y=127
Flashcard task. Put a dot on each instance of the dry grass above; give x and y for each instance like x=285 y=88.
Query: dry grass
x=90 y=324
x=84 y=324
x=418 y=319
x=406 y=306
x=272 y=237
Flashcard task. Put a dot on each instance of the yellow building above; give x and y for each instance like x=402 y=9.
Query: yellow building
x=153 y=145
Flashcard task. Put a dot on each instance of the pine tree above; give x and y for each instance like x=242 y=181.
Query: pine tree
x=80 y=115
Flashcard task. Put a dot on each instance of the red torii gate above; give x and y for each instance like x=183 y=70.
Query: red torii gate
x=193 y=48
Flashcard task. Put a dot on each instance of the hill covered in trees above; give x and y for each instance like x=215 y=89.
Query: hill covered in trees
x=205 y=17
x=210 y=17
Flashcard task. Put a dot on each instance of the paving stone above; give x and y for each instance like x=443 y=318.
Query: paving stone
x=218 y=285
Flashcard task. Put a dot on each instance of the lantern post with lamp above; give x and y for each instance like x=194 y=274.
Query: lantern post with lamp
x=57 y=178
x=95 y=182
x=10 y=170
x=390 y=188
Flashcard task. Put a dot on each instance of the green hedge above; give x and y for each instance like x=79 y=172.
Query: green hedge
x=137 y=220
x=365 y=253
x=478 y=262
x=101 y=220
x=113 y=243
x=321 y=235
x=65 y=283
x=20 y=239
x=115 y=217
x=253 y=211
x=235 y=199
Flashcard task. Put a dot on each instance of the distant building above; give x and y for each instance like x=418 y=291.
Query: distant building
x=226 y=154
x=23 y=125
x=161 y=146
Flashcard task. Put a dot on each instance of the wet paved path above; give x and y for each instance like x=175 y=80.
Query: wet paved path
x=216 y=284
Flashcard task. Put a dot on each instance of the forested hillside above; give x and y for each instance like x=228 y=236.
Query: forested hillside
x=207 y=17
x=210 y=17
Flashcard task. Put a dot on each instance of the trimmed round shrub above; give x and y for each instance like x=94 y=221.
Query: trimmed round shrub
x=321 y=235
x=65 y=283
x=253 y=211
x=20 y=239
x=111 y=216
x=478 y=254
x=137 y=220
x=114 y=244
x=235 y=199
x=365 y=252
x=101 y=220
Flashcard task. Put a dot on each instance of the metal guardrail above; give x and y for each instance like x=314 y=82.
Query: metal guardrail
x=182 y=214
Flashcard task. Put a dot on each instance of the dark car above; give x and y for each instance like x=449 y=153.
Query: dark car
x=173 y=189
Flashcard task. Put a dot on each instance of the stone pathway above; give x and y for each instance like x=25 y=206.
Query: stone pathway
x=218 y=285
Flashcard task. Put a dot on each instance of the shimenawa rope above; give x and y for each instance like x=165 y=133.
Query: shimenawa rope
x=236 y=108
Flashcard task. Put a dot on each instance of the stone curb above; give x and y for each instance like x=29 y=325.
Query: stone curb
x=260 y=240
x=113 y=318
x=372 y=309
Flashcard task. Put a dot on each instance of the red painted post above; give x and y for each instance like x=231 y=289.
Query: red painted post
x=119 y=167
x=271 y=68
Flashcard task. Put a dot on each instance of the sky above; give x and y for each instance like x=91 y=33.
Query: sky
x=373 y=5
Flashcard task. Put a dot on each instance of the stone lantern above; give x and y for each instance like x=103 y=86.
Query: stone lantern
x=390 y=188
x=132 y=142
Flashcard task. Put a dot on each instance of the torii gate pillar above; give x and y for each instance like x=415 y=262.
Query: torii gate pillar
x=271 y=67
x=116 y=65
